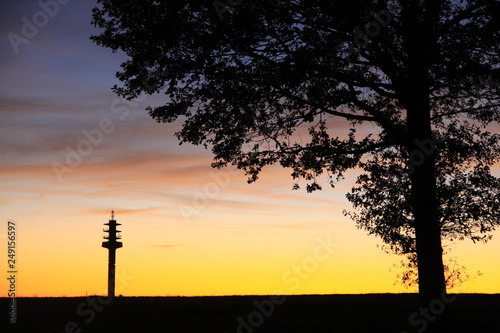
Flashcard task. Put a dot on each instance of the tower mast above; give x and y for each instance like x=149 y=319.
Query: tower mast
x=112 y=244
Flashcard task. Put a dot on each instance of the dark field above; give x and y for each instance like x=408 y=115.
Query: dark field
x=329 y=313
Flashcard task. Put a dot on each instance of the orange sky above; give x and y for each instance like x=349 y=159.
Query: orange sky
x=193 y=230
x=187 y=229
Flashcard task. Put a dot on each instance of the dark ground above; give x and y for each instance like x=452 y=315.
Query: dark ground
x=385 y=313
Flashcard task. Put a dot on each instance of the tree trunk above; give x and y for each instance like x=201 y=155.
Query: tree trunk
x=422 y=150
x=432 y=286
x=421 y=146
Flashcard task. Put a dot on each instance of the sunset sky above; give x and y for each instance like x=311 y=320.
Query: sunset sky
x=187 y=229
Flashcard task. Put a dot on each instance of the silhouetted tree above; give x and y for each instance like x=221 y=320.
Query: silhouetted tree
x=299 y=83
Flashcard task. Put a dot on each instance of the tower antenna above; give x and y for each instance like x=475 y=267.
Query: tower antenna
x=112 y=244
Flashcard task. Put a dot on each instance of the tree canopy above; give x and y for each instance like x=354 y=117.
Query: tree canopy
x=404 y=90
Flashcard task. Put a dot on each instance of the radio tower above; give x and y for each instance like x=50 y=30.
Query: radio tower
x=112 y=244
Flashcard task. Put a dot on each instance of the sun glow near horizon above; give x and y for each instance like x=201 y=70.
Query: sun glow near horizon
x=243 y=239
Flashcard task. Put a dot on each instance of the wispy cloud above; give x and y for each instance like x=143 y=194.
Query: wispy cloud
x=167 y=246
